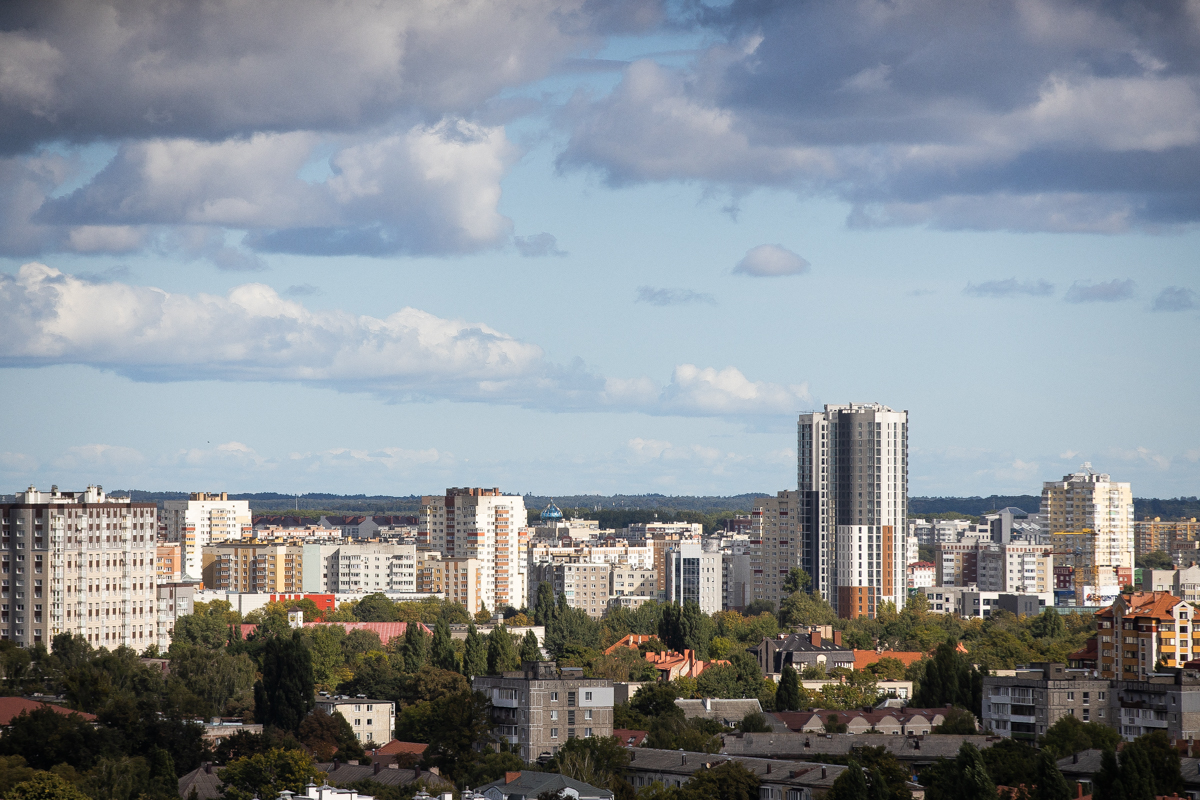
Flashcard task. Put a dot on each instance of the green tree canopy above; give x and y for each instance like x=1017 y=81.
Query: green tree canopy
x=265 y=775
x=45 y=786
x=285 y=694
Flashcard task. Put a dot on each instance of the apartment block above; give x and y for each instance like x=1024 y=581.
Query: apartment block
x=253 y=567
x=852 y=504
x=1140 y=629
x=957 y=564
x=458 y=579
x=168 y=562
x=372 y=720
x=541 y=707
x=775 y=544
x=1167 y=702
x=482 y=524
x=80 y=563
x=1154 y=534
x=694 y=576
x=1025 y=705
x=737 y=581
x=586 y=585
x=370 y=568
x=175 y=599
x=203 y=519
x=1089 y=518
x=1183 y=582
x=1016 y=568
x=971 y=601
x=922 y=574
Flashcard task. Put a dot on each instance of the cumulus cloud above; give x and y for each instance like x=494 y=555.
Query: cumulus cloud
x=254 y=334
x=1175 y=298
x=771 y=261
x=1049 y=115
x=1010 y=287
x=672 y=297
x=1110 y=292
x=540 y=244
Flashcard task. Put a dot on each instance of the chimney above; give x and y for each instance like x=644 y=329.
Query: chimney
x=509 y=777
x=815 y=638
x=684 y=757
x=823 y=774
x=837 y=638
x=208 y=769
x=1079 y=791
x=1075 y=758
x=377 y=766
x=768 y=767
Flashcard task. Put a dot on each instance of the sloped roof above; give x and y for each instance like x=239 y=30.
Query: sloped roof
x=13 y=706
x=864 y=658
x=532 y=784
x=769 y=770
x=803 y=642
x=630 y=641
x=386 y=630
x=349 y=773
x=206 y=784
x=629 y=738
x=718 y=709
x=396 y=747
x=922 y=749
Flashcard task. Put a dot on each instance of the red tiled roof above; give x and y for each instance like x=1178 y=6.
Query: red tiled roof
x=396 y=747
x=631 y=641
x=629 y=738
x=11 y=707
x=386 y=630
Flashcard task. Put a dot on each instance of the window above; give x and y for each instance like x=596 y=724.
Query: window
x=554 y=733
x=369 y=723
x=587 y=715
x=553 y=716
x=587 y=695
x=587 y=732
x=554 y=697
x=372 y=708
x=357 y=721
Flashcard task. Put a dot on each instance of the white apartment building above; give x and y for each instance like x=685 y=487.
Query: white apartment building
x=852 y=497
x=371 y=568
x=1015 y=568
x=633 y=573
x=486 y=525
x=1100 y=510
x=922 y=574
x=371 y=720
x=694 y=575
x=80 y=563
x=204 y=519
x=175 y=600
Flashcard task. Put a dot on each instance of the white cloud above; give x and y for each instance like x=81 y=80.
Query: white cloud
x=99 y=457
x=771 y=261
x=253 y=334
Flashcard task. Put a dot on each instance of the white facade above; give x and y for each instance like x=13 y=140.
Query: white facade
x=1016 y=568
x=80 y=563
x=485 y=525
x=201 y=520
x=694 y=575
x=1091 y=501
x=853 y=484
x=372 y=720
x=370 y=568
x=921 y=574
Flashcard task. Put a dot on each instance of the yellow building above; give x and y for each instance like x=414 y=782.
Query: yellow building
x=458 y=579
x=249 y=567
x=1140 y=629
x=1154 y=534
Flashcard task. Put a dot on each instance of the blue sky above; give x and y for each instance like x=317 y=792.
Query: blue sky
x=595 y=247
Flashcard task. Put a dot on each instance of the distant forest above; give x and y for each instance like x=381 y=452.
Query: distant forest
x=616 y=511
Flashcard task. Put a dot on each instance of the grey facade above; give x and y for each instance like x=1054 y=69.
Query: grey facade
x=1024 y=706
x=1168 y=702
x=780 y=780
x=540 y=707
x=801 y=650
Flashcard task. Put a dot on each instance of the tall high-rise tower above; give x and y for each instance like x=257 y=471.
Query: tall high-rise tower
x=853 y=493
x=1089 y=518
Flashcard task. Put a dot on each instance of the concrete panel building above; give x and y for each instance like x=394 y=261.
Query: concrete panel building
x=1089 y=518
x=694 y=576
x=80 y=563
x=1168 y=702
x=204 y=518
x=1025 y=705
x=371 y=720
x=253 y=567
x=540 y=708
x=852 y=504
x=1015 y=568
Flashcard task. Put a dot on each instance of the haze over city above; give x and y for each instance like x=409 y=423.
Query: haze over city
x=567 y=247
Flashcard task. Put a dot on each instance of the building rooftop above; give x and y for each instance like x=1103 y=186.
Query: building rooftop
x=11 y=707
x=1155 y=605
x=527 y=784
x=921 y=749
x=727 y=712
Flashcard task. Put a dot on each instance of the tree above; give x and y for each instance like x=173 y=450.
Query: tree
x=44 y=738
x=285 y=694
x=851 y=784
x=1162 y=761
x=215 y=678
x=802 y=608
x=267 y=774
x=787 y=697
x=45 y=786
x=329 y=735
x=887 y=669
x=544 y=608
x=958 y=721
x=596 y=760
x=457 y=723
x=754 y=722
x=441 y=653
x=670 y=627
x=483 y=616
x=757 y=607
x=529 y=647
x=501 y=655
x=1069 y=735
x=416 y=647
x=796 y=581
x=474 y=661
x=656 y=700
x=1010 y=762
x=1157 y=559
x=974 y=783
x=727 y=781
x=375 y=608
x=1048 y=780
x=1106 y=784
x=1048 y=625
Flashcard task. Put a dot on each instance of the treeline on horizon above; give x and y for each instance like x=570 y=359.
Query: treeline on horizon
x=618 y=511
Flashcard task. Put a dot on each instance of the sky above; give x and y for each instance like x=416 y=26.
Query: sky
x=595 y=246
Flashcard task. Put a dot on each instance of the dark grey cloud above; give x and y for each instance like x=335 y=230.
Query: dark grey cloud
x=1111 y=292
x=672 y=297
x=539 y=244
x=1175 y=298
x=1057 y=115
x=1010 y=287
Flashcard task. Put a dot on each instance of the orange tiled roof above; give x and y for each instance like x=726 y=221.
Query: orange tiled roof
x=395 y=747
x=11 y=707
x=864 y=658
x=1151 y=604
x=631 y=641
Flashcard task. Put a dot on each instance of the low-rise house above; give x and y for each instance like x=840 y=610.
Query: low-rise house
x=800 y=650
x=914 y=750
x=672 y=665
x=371 y=720
x=217 y=729
x=891 y=721
x=779 y=780
x=340 y=774
x=528 y=785
x=865 y=658
x=404 y=754
x=629 y=738
x=727 y=712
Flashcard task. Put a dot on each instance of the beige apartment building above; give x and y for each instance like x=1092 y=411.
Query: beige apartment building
x=485 y=525
x=1015 y=568
x=586 y=585
x=253 y=567
x=459 y=579
x=80 y=563
x=1090 y=521
x=168 y=562
x=1154 y=534
x=1141 y=629
x=541 y=707
x=205 y=518
x=371 y=720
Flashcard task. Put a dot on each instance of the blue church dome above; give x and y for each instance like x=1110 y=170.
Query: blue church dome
x=551 y=514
